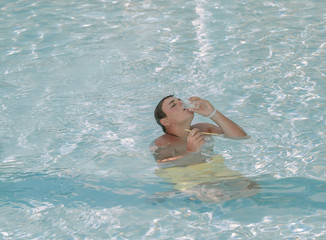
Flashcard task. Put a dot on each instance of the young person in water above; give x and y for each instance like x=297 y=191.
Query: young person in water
x=175 y=119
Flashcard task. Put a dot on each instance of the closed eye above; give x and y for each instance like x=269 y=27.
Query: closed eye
x=172 y=103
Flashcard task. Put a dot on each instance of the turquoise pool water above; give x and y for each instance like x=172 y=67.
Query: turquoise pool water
x=79 y=82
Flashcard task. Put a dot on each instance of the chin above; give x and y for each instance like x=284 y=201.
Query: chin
x=191 y=115
x=187 y=116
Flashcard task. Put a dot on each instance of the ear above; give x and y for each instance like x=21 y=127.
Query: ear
x=164 y=122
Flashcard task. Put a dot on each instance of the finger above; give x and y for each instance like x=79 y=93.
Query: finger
x=197 y=139
x=199 y=142
x=194 y=98
x=194 y=131
x=202 y=138
x=197 y=104
x=198 y=133
x=197 y=99
x=201 y=101
x=199 y=136
x=202 y=142
x=192 y=109
x=195 y=107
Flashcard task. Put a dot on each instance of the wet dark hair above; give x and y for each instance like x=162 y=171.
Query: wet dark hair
x=159 y=114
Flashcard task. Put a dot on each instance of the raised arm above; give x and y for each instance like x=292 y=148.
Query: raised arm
x=230 y=129
x=226 y=126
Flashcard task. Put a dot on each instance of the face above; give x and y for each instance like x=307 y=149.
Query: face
x=175 y=110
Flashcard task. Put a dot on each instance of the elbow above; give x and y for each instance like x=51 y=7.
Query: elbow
x=241 y=136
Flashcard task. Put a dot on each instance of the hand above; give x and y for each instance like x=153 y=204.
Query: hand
x=195 y=140
x=202 y=106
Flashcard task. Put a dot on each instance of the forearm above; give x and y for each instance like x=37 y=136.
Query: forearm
x=170 y=159
x=230 y=129
x=188 y=158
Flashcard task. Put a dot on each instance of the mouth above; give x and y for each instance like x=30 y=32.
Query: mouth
x=184 y=107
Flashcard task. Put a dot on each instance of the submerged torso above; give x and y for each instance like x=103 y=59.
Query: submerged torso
x=178 y=148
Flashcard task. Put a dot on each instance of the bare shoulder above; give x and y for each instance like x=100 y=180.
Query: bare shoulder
x=207 y=127
x=203 y=127
x=163 y=140
x=163 y=148
x=167 y=140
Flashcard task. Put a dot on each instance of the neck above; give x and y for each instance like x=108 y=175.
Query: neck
x=179 y=131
